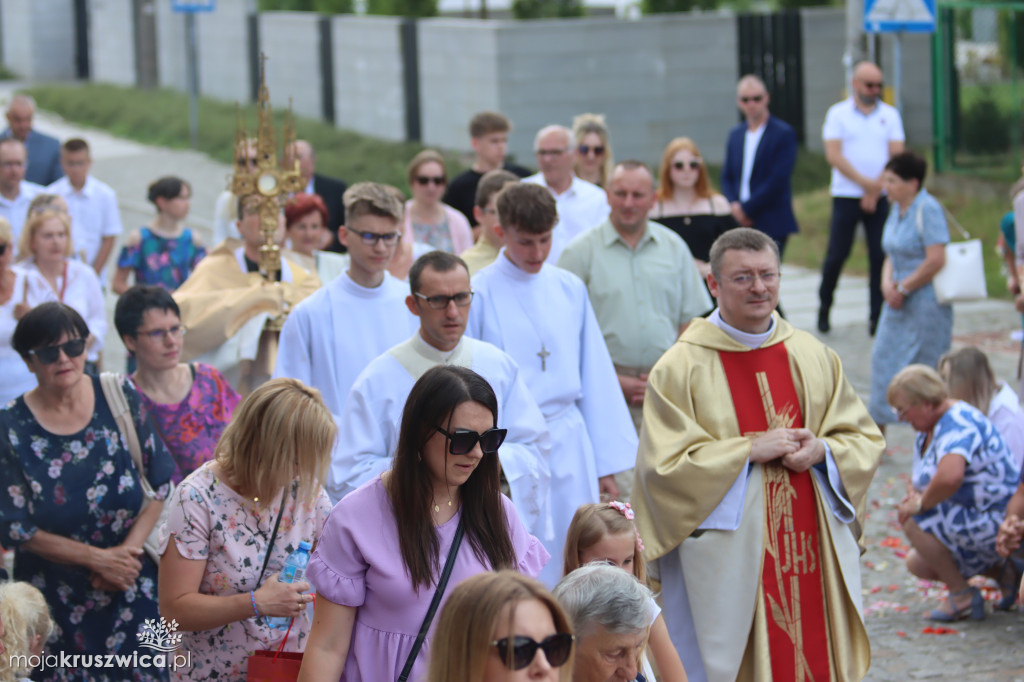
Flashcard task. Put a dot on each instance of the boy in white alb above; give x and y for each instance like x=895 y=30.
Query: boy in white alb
x=541 y=316
x=336 y=332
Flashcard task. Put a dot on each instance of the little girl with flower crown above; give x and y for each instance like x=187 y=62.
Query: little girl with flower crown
x=605 y=532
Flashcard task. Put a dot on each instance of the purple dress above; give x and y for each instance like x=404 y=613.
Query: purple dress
x=358 y=563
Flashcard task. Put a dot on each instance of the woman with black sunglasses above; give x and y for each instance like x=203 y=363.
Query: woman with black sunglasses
x=386 y=547
x=429 y=223
x=71 y=500
x=502 y=627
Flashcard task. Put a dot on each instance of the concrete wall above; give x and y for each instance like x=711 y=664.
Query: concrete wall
x=292 y=43
x=916 y=87
x=38 y=38
x=171 y=48
x=112 y=42
x=644 y=79
x=368 y=93
x=17 y=36
x=224 y=50
x=824 y=38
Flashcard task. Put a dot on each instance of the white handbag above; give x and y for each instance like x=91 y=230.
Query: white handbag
x=962 y=278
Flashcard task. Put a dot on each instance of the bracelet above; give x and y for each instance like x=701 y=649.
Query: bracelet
x=918 y=509
x=252 y=596
x=900 y=288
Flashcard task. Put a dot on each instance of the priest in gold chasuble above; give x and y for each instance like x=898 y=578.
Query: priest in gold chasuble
x=754 y=464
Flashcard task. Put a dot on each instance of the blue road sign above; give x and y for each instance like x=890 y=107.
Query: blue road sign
x=192 y=6
x=891 y=16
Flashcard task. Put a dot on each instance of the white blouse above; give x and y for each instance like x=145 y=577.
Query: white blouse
x=30 y=288
x=83 y=292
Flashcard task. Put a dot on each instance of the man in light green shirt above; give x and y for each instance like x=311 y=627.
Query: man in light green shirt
x=641 y=279
x=485 y=211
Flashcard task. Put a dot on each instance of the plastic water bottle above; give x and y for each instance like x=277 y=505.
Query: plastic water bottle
x=294 y=571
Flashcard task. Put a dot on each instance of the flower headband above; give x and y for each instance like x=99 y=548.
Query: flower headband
x=626 y=510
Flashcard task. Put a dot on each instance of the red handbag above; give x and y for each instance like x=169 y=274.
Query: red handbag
x=275 y=666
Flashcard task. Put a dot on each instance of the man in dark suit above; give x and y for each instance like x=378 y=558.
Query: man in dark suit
x=327 y=188
x=759 y=159
x=43 y=151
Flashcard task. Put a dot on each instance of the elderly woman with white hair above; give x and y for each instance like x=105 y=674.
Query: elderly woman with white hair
x=610 y=613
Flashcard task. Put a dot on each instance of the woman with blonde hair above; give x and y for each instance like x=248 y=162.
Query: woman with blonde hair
x=26 y=627
x=963 y=477
x=593 y=149
x=20 y=291
x=969 y=377
x=233 y=523
x=428 y=221
x=45 y=248
x=687 y=203
x=502 y=627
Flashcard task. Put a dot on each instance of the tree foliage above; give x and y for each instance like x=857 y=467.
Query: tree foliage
x=547 y=9
x=402 y=8
x=662 y=6
x=321 y=6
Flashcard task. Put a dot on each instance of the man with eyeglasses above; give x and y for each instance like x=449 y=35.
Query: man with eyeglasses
x=860 y=134
x=581 y=204
x=760 y=155
x=42 y=151
x=751 y=483
x=226 y=302
x=16 y=193
x=440 y=296
x=334 y=334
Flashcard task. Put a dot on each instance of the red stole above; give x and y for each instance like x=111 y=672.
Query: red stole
x=765 y=398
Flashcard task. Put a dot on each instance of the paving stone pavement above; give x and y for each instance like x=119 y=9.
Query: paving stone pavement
x=894 y=601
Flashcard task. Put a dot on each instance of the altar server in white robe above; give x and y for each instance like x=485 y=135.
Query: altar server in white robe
x=541 y=316
x=336 y=332
x=368 y=431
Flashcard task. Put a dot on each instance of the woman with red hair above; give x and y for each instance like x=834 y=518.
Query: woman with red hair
x=306 y=228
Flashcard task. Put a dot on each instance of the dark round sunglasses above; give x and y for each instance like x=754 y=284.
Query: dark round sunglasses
x=48 y=355
x=462 y=441
x=556 y=649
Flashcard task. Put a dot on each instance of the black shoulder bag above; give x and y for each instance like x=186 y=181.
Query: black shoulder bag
x=446 y=573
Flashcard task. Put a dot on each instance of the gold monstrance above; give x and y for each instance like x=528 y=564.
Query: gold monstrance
x=271 y=183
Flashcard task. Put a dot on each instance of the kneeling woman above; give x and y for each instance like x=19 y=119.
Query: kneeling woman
x=963 y=478
x=384 y=546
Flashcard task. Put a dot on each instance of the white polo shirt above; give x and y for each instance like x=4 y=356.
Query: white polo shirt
x=865 y=141
x=581 y=207
x=94 y=214
x=16 y=210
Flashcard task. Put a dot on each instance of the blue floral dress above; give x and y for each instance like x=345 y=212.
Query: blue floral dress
x=82 y=486
x=967 y=521
x=161 y=261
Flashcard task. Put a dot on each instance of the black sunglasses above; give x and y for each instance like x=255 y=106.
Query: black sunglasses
x=556 y=649
x=49 y=354
x=3 y=249
x=586 y=149
x=680 y=165
x=463 y=440
x=427 y=179
x=873 y=85
x=752 y=98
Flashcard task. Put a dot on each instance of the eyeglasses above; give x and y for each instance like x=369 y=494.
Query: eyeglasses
x=901 y=412
x=680 y=165
x=425 y=180
x=440 y=301
x=873 y=85
x=463 y=441
x=751 y=98
x=769 y=279
x=48 y=355
x=371 y=238
x=155 y=335
x=12 y=164
x=550 y=152
x=556 y=649
x=584 y=150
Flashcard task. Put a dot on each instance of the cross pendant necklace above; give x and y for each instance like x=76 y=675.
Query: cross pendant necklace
x=543 y=355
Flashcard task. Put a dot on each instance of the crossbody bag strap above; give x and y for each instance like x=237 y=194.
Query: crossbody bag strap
x=446 y=573
x=110 y=382
x=963 y=233
x=273 y=536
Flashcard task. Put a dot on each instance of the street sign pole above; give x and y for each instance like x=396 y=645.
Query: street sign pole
x=189 y=8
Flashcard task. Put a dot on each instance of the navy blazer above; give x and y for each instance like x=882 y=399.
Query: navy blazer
x=770 y=205
x=331 y=191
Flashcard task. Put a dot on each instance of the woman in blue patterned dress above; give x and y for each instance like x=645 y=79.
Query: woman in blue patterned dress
x=70 y=499
x=962 y=480
x=913 y=327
